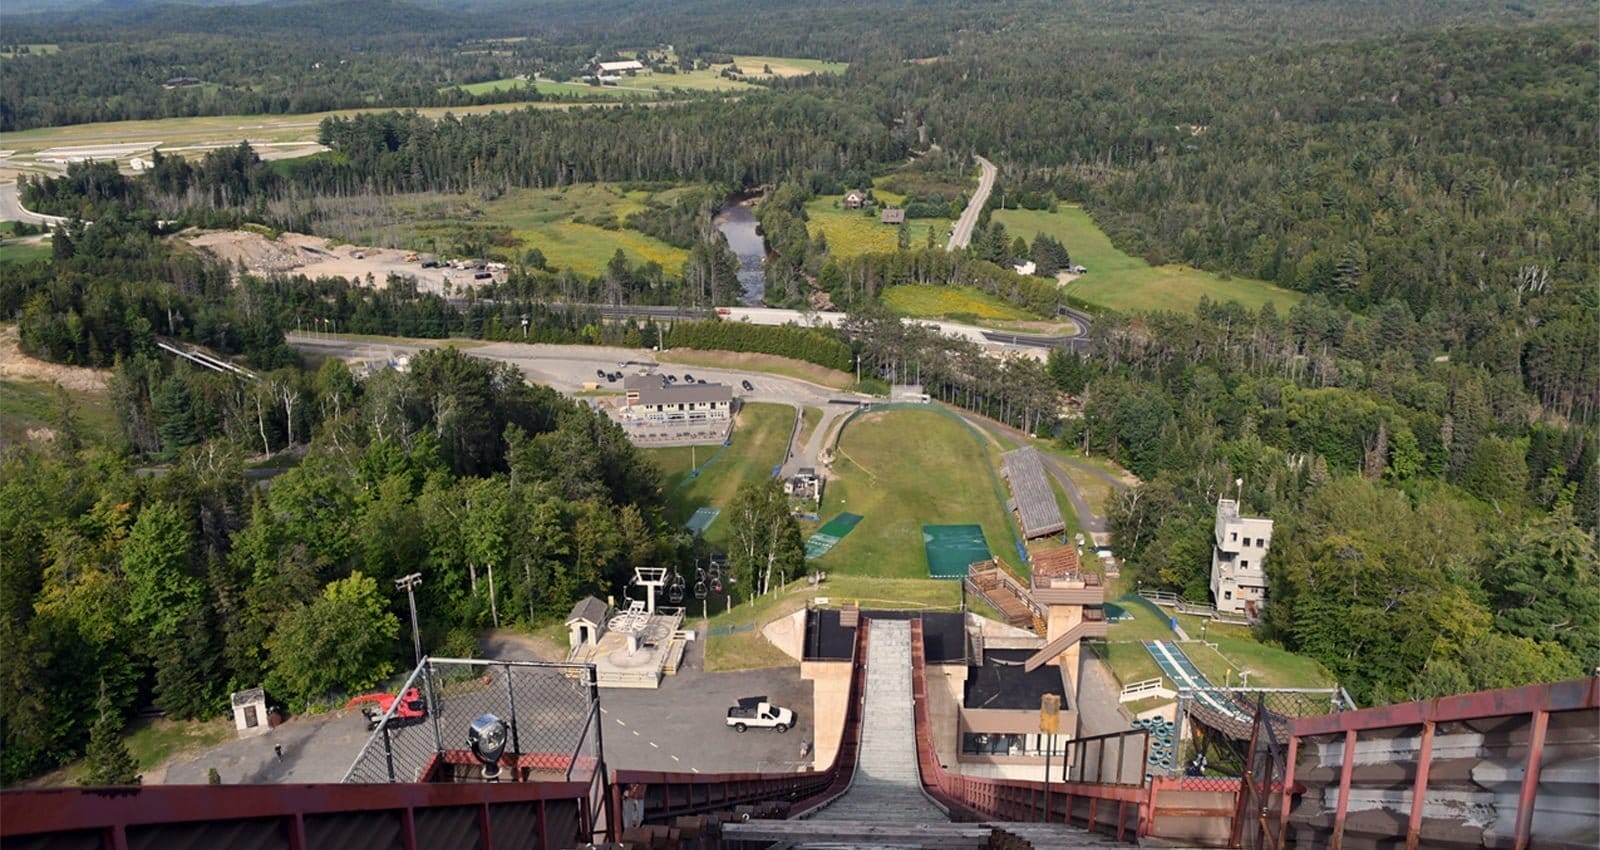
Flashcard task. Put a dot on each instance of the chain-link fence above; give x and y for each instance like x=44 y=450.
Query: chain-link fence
x=1214 y=726
x=551 y=713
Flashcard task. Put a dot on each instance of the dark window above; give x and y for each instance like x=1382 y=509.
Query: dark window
x=250 y=719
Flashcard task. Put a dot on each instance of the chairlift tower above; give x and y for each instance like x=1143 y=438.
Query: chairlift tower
x=651 y=579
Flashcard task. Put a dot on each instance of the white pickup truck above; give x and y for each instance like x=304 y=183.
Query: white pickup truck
x=756 y=711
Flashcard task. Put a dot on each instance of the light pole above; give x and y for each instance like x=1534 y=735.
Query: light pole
x=409 y=584
x=1203 y=624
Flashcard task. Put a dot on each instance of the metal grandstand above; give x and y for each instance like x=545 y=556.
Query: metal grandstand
x=1031 y=496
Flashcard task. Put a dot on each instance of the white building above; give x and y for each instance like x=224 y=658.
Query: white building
x=1238 y=561
x=628 y=66
x=650 y=399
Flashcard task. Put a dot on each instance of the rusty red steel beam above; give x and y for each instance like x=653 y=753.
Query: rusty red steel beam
x=1571 y=695
x=1419 y=788
x=33 y=811
x=1530 y=780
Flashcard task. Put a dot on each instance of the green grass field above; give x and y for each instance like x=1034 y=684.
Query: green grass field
x=1128 y=284
x=26 y=405
x=760 y=437
x=506 y=84
x=902 y=469
x=948 y=302
x=561 y=223
x=24 y=252
x=783 y=67
x=11 y=50
x=851 y=233
x=152 y=742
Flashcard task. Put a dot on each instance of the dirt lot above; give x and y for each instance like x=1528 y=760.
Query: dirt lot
x=313 y=256
x=15 y=365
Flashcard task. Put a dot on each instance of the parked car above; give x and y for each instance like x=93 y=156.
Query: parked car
x=672 y=379
x=747 y=386
x=757 y=712
x=599 y=373
x=688 y=378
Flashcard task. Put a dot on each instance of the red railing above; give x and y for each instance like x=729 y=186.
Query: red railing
x=419 y=815
x=1517 y=732
x=667 y=795
x=1118 y=810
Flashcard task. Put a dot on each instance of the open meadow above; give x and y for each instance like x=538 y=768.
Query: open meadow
x=851 y=233
x=957 y=303
x=1128 y=284
x=577 y=227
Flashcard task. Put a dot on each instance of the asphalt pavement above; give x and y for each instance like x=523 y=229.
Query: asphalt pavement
x=961 y=233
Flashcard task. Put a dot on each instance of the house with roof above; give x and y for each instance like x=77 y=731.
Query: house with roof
x=855 y=199
x=651 y=399
x=892 y=215
x=586 y=622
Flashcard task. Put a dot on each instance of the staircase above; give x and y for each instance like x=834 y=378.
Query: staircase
x=886 y=788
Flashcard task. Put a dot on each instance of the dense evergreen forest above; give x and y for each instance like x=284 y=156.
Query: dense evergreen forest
x=1423 y=426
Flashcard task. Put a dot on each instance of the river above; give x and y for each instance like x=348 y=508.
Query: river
x=738 y=224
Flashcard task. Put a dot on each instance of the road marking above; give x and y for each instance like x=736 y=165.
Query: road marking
x=654 y=745
x=675 y=758
x=620 y=723
x=695 y=769
x=603 y=711
x=636 y=733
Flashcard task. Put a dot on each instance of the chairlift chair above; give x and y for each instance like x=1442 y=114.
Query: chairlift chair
x=675 y=589
x=700 y=590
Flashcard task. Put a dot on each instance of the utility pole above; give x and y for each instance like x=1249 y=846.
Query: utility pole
x=409 y=584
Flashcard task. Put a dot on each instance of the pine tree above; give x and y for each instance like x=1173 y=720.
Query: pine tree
x=107 y=758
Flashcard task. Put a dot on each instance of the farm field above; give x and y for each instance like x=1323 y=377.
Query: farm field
x=851 y=233
x=760 y=437
x=957 y=303
x=784 y=67
x=902 y=469
x=213 y=129
x=1120 y=282
x=575 y=227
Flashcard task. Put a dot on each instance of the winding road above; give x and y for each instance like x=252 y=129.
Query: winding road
x=11 y=208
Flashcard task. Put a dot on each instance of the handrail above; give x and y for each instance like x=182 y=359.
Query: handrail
x=982 y=798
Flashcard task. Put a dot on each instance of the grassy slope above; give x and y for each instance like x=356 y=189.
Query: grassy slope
x=32 y=404
x=760 y=437
x=1129 y=284
x=785 y=67
x=901 y=470
x=152 y=742
x=953 y=302
x=24 y=252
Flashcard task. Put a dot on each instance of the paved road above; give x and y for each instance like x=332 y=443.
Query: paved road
x=11 y=208
x=961 y=234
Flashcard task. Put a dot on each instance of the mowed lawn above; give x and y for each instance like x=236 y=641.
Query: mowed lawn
x=948 y=302
x=902 y=469
x=851 y=233
x=1128 y=284
x=760 y=438
x=754 y=66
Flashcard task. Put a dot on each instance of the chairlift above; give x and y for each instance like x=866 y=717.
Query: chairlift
x=716 y=583
x=700 y=590
x=675 y=589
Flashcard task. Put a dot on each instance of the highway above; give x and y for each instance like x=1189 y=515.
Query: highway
x=961 y=234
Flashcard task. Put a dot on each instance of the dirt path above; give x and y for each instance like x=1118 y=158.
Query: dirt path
x=16 y=366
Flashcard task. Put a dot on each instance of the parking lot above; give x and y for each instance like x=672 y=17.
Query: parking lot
x=678 y=727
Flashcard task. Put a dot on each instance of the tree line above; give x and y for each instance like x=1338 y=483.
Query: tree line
x=176 y=588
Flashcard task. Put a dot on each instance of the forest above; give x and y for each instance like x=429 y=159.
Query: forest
x=1422 y=427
